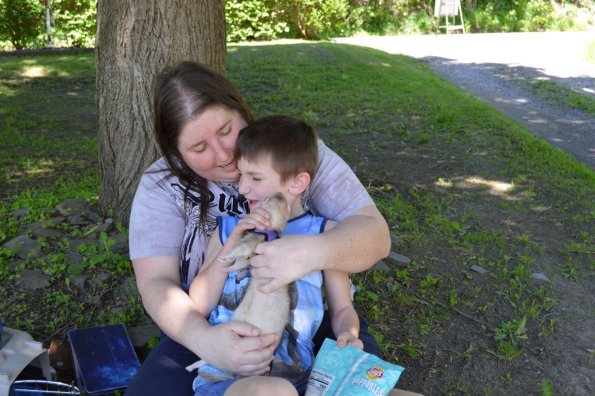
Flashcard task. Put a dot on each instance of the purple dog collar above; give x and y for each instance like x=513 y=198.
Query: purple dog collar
x=269 y=235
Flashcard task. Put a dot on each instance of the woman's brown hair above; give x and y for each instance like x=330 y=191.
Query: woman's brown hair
x=182 y=93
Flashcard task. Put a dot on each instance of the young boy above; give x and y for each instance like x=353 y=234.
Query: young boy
x=276 y=154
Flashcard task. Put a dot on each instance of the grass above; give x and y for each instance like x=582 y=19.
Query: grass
x=44 y=145
x=459 y=184
x=555 y=93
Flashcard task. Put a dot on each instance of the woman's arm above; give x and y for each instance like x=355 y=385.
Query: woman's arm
x=344 y=319
x=359 y=240
x=353 y=245
x=233 y=346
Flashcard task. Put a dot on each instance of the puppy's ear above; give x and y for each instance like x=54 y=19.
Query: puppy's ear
x=299 y=183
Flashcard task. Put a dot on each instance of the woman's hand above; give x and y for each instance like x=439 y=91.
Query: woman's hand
x=233 y=346
x=285 y=260
x=353 y=245
x=237 y=347
x=346 y=338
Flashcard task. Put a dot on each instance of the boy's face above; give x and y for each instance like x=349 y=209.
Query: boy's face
x=259 y=180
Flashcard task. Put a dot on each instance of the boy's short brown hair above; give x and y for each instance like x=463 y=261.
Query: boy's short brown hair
x=291 y=143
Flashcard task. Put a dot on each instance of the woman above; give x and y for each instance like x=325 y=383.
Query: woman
x=198 y=115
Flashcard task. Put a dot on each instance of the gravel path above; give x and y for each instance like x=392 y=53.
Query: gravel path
x=496 y=68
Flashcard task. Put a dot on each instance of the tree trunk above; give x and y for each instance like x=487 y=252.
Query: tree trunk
x=135 y=40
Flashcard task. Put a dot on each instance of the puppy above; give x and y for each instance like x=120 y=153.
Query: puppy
x=267 y=311
x=270 y=312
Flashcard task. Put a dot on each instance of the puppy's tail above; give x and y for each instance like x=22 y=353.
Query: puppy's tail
x=195 y=365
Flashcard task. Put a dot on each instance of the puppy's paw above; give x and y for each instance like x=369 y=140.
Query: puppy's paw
x=238 y=264
x=243 y=252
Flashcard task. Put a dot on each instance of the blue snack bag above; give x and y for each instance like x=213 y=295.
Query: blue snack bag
x=349 y=371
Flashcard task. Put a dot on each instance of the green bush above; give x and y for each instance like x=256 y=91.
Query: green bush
x=253 y=20
x=482 y=19
x=315 y=19
x=21 y=21
x=517 y=16
x=269 y=19
x=374 y=20
x=74 y=22
x=539 y=15
x=565 y=19
x=418 y=23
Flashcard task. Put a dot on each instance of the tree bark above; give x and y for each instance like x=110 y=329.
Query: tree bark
x=135 y=40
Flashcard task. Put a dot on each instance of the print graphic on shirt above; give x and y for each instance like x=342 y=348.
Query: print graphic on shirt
x=224 y=201
x=289 y=339
x=231 y=300
x=231 y=205
x=185 y=259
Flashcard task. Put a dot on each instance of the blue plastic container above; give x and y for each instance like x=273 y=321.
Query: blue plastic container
x=41 y=388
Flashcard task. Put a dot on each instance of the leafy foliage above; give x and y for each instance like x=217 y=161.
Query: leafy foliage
x=253 y=20
x=74 y=21
x=266 y=19
x=514 y=16
x=313 y=19
x=21 y=21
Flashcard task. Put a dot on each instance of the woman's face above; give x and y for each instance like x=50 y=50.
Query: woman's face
x=207 y=143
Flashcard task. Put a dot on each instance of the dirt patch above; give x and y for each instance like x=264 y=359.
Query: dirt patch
x=524 y=325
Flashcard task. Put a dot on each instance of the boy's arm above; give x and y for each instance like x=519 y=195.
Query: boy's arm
x=344 y=319
x=207 y=286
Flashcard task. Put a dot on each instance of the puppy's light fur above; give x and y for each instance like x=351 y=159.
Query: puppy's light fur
x=270 y=312
x=267 y=311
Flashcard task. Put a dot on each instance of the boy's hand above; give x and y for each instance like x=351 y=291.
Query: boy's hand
x=346 y=338
x=258 y=218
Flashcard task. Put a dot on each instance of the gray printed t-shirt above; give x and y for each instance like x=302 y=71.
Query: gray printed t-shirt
x=162 y=225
